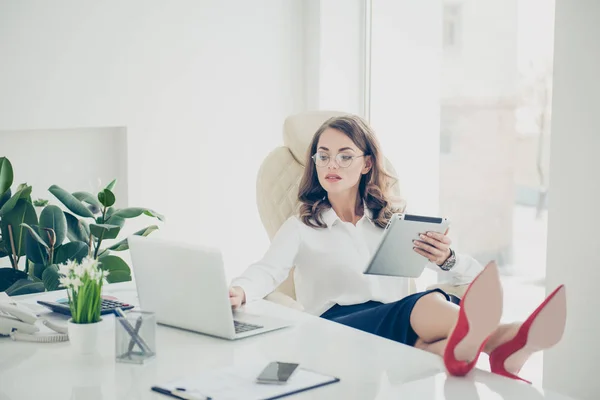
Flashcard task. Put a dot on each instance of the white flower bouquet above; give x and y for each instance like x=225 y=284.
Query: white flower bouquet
x=83 y=282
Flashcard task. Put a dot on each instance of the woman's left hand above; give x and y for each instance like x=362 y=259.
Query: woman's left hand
x=434 y=246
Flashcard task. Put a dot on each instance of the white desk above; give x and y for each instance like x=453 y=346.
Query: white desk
x=369 y=367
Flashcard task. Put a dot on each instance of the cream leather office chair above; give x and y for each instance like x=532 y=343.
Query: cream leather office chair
x=278 y=181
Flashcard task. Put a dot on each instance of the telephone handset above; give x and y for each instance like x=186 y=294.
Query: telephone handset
x=19 y=322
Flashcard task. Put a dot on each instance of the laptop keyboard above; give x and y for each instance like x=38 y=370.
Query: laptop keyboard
x=241 y=327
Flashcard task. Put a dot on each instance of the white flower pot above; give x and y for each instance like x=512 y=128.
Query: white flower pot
x=84 y=337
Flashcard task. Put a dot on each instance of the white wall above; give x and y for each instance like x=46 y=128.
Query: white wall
x=311 y=12
x=202 y=88
x=74 y=159
x=335 y=55
x=573 y=249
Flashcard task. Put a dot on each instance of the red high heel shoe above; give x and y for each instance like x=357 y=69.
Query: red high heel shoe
x=542 y=330
x=479 y=316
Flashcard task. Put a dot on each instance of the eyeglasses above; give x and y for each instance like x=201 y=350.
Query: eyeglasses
x=342 y=160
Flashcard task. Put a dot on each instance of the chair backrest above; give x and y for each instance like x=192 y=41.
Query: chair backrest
x=280 y=173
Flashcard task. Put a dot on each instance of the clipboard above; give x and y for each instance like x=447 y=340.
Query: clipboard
x=394 y=256
x=239 y=382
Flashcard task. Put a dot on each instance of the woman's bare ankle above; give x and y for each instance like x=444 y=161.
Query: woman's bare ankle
x=503 y=334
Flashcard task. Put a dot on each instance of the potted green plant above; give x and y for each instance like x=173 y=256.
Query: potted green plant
x=83 y=281
x=58 y=235
x=15 y=208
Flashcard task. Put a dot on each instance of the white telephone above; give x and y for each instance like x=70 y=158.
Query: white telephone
x=18 y=322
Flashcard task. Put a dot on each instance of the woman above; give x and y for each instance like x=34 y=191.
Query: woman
x=345 y=205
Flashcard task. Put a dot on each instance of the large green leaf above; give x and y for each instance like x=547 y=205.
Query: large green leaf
x=3 y=252
x=109 y=212
x=94 y=205
x=52 y=217
x=6 y=174
x=77 y=230
x=133 y=212
x=107 y=198
x=50 y=277
x=124 y=245
x=103 y=253
x=23 y=213
x=5 y=197
x=36 y=234
x=111 y=185
x=118 y=221
x=23 y=193
x=38 y=270
x=70 y=202
x=8 y=276
x=118 y=270
x=88 y=198
x=105 y=231
x=25 y=286
x=35 y=247
x=71 y=251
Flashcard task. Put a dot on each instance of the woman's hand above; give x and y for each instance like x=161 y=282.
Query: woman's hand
x=434 y=246
x=237 y=296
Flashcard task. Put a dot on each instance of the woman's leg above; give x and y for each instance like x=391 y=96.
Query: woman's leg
x=433 y=318
x=435 y=347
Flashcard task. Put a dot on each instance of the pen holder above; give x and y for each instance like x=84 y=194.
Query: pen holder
x=135 y=340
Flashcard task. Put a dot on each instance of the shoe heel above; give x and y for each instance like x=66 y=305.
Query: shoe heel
x=543 y=329
x=479 y=316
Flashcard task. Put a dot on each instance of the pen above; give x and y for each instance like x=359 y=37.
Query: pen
x=138 y=325
x=182 y=394
x=137 y=338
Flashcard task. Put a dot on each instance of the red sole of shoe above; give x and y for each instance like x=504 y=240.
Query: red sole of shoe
x=483 y=310
x=545 y=331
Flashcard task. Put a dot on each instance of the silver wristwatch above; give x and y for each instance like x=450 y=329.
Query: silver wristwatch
x=450 y=261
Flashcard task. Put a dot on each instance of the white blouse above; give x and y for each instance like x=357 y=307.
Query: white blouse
x=330 y=263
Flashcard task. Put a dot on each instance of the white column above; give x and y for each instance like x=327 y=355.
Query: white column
x=573 y=232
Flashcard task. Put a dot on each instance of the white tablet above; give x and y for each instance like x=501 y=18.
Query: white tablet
x=394 y=255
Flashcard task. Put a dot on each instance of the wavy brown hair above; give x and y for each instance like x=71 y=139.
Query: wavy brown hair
x=374 y=187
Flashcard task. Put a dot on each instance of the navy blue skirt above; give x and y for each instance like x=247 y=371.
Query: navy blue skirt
x=391 y=320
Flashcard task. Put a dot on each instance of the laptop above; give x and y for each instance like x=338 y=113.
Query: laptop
x=185 y=286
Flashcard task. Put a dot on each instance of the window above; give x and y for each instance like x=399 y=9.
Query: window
x=472 y=143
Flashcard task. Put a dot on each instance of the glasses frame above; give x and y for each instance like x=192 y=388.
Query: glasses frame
x=314 y=157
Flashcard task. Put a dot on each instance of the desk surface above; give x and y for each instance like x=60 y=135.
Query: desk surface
x=369 y=367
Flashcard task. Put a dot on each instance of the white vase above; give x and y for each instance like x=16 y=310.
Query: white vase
x=84 y=337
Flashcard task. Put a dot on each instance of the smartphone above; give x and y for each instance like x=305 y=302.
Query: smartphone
x=277 y=373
